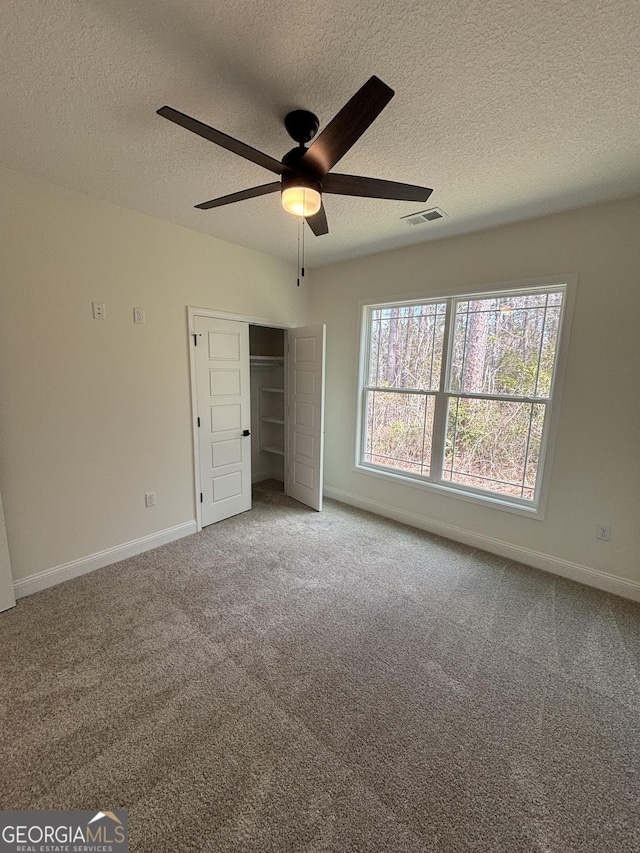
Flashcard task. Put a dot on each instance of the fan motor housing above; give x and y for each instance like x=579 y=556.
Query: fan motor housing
x=292 y=160
x=301 y=125
x=300 y=180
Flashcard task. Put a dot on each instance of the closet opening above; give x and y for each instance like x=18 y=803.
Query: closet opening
x=268 y=403
x=257 y=403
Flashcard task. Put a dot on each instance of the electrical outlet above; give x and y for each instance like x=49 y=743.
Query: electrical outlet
x=149 y=499
x=603 y=533
x=138 y=315
x=99 y=311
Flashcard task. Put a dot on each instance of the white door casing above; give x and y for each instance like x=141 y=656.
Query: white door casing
x=223 y=394
x=305 y=414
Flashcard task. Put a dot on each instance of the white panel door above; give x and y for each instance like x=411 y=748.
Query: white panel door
x=224 y=401
x=305 y=414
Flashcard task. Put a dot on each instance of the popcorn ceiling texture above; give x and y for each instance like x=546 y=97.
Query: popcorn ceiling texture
x=508 y=109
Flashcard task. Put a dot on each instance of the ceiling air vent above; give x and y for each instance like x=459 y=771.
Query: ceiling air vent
x=424 y=216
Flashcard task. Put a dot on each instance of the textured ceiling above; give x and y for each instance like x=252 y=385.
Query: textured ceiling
x=508 y=108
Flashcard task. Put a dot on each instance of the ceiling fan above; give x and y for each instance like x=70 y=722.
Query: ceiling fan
x=305 y=172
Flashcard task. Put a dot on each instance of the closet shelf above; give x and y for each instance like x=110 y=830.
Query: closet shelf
x=265 y=360
x=273 y=390
x=272 y=420
x=275 y=450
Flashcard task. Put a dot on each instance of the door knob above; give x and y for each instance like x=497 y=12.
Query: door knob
x=245 y=432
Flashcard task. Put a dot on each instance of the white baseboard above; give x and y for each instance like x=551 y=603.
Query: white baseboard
x=555 y=565
x=58 y=574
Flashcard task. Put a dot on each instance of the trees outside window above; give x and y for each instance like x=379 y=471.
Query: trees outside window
x=458 y=391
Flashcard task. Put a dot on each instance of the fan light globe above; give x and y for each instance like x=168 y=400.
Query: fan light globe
x=301 y=201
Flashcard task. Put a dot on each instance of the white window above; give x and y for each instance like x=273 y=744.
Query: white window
x=457 y=392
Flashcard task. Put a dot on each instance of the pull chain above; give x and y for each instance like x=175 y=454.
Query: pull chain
x=301 y=220
x=298 y=281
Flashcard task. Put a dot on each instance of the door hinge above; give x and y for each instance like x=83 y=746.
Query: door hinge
x=201 y=501
x=198 y=421
x=195 y=336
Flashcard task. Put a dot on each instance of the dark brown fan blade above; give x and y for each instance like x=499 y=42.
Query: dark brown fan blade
x=219 y=138
x=241 y=196
x=318 y=222
x=373 y=188
x=347 y=127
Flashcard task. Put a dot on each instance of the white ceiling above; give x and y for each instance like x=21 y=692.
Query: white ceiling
x=509 y=109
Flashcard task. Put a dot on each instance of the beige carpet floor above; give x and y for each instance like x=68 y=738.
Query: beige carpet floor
x=295 y=681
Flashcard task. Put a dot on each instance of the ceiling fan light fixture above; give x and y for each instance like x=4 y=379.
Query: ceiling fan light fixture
x=301 y=196
x=301 y=201
x=306 y=171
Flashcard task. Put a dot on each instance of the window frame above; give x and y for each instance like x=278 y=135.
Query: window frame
x=434 y=483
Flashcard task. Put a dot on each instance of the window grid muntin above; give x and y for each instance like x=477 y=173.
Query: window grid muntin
x=430 y=309
x=450 y=463
x=407 y=314
x=554 y=295
x=369 y=417
x=541 y=347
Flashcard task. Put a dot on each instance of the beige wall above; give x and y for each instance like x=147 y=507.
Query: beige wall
x=595 y=478
x=94 y=414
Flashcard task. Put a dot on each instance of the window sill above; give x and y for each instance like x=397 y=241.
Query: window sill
x=459 y=493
